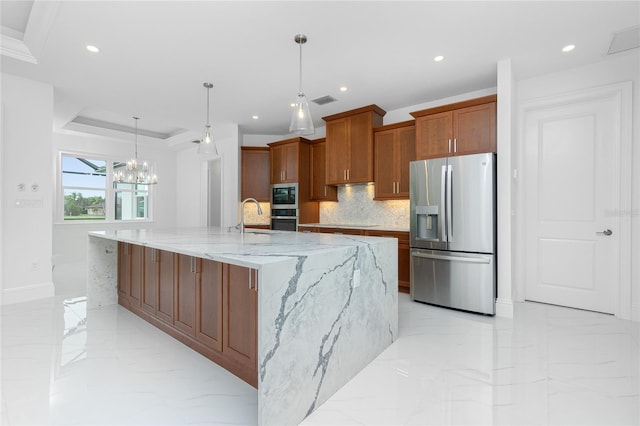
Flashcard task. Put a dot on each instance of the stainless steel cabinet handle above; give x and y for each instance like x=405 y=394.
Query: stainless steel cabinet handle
x=449 y=204
x=606 y=232
x=449 y=145
x=451 y=258
x=455 y=145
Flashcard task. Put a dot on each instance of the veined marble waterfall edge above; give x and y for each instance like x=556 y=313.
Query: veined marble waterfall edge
x=319 y=327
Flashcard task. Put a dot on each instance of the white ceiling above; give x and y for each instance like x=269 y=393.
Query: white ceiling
x=155 y=55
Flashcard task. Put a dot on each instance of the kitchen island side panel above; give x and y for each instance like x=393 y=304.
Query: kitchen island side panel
x=323 y=317
x=327 y=304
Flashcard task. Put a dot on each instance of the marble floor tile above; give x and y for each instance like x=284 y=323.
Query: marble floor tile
x=62 y=364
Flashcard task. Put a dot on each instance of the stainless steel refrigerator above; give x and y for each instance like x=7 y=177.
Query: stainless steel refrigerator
x=453 y=232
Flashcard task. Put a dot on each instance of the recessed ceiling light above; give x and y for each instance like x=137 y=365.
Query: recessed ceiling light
x=439 y=58
x=93 y=49
x=344 y=88
x=255 y=117
x=292 y=105
x=568 y=47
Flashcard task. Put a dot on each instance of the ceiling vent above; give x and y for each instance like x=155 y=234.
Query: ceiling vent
x=625 y=40
x=324 y=100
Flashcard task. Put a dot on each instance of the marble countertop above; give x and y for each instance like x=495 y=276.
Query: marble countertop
x=354 y=226
x=254 y=248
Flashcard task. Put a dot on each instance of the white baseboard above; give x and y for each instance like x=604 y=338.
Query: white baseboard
x=27 y=293
x=504 y=308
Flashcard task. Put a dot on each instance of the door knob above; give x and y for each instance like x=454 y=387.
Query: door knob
x=606 y=232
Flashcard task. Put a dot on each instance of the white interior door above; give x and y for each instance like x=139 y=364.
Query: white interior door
x=571 y=196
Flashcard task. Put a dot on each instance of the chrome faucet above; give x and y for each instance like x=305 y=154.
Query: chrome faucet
x=242 y=212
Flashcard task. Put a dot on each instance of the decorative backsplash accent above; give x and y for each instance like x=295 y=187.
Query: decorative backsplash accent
x=357 y=207
x=251 y=214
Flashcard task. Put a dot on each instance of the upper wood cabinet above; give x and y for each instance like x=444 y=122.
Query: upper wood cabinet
x=285 y=160
x=394 y=148
x=320 y=191
x=467 y=127
x=349 y=145
x=255 y=173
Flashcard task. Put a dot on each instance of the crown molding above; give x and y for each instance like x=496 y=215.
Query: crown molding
x=41 y=19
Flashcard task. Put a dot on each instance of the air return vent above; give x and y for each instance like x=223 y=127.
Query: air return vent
x=324 y=100
x=625 y=40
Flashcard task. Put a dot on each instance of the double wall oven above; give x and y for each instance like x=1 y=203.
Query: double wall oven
x=284 y=206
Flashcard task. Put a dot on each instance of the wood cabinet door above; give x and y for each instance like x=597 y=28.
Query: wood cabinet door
x=385 y=170
x=137 y=275
x=319 y=189
x=255 y=173
x=337 y=151
x=185 y=294
x=284 y=163
x=277 y=164
x=209 y=305
x=124 y=272
x=434 y=135
x=405 y=153
x=474 y=129
x=291 y=162
x=360 y=147
x=150 y=281
x=166 y=285
x=240 y=310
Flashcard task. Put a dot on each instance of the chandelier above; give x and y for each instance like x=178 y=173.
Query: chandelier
x=135 y=172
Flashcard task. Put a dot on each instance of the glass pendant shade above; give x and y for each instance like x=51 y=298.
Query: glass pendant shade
x=135 y=172
x=301 y=122
x=207 y=145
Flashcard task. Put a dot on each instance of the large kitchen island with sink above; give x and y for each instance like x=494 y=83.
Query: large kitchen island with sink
x=296 y=315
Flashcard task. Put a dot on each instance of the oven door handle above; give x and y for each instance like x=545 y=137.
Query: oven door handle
x=284 y=217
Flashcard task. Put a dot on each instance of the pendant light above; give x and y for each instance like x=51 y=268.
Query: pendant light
x=207 y=144
x=301 y=122
x=136 y=172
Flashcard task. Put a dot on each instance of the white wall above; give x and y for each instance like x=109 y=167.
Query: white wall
x=27 y=232
x=70 y=239
x=192 y=179
x=618 y=68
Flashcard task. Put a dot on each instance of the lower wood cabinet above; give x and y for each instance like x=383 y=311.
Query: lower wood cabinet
x=350 y=231
x=210 y=306
x=130 y=275
x=240 y=315
x=185 y=294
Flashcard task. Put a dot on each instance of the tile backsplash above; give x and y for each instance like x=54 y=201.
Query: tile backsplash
x=357 y=207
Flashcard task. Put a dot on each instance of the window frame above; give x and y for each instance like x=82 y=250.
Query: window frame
x=110 y=192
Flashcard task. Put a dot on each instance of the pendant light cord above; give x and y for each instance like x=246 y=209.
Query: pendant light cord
x=300 y=87
x=136 y=137
x=208 y=88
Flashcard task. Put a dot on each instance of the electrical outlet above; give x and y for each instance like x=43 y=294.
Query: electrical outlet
x=356 y=278
x=35 y=266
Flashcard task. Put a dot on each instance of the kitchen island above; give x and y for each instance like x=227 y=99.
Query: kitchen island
x=326 y=304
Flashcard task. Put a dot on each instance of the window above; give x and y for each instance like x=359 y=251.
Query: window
x=90 y=195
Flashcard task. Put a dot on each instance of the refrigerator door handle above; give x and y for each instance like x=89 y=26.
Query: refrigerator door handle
x=443 y=200
x=451 y=258
x=449 y=207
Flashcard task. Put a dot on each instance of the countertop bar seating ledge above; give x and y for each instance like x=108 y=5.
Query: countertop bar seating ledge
x=327 y=304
